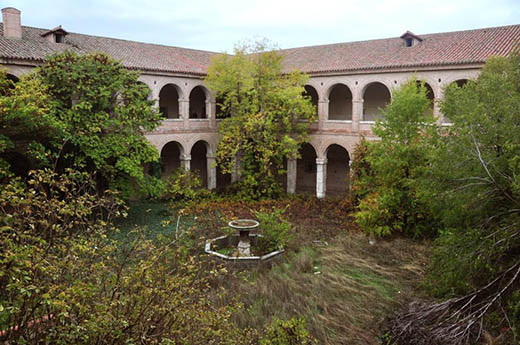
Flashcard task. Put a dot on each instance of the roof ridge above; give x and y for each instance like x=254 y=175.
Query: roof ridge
x=395 y=37
x=124 y=40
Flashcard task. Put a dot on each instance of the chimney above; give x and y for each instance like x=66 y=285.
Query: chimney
x=12 y=23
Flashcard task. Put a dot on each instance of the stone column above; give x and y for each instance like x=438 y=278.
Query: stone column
x=212 y=171
x=323 y=112
x=211 y=111
x=321 y=177
x=357 y=113
x=185 y=161
x=291 y=175
x=184 y=112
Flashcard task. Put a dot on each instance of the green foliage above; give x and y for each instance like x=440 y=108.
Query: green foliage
x=27 y=125
x=387 y=171
x=266 y=109
x=287 y=332
x=103 y=113
x=186 y=186
x=62 y=281
x=275 y=228
x=474 y=182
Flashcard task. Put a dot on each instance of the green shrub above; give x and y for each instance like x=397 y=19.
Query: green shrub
x=276 y=229
x=185 y=185
x=287 y=332
x=387 y=171
x=59 y=268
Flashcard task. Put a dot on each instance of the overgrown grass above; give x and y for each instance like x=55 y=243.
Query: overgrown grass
x=343 y=290
x=331 y=276
x=343 y=286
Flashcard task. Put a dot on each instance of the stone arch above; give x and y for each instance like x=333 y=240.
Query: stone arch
x=199 y=163
x=340 y=102
x=338 y=170
x=310 y=91
x=306 y=169
x=169 y=101
x=199 y=96
x=171 y=154
x=376 y=96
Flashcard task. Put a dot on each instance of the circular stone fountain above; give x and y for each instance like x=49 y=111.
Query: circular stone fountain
x=242 y=241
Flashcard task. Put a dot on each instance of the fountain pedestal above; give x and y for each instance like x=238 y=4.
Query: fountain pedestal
x=244 y=226
x=244 y=245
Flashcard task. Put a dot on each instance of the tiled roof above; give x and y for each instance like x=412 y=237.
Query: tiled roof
x=442 y=49
x=450 y=48
x=142 y=56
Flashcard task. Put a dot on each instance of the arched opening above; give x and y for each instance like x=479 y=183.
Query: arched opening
x=340 y=103
x=338 y=170
x=12 y=78
x=199 y=162
x=313 y=95
x=461 y=82
x=220 y=112
x=306 y=170
x=171 y=158
x=429 y=93
x=375 y=98
x=169 y=101
x=198 y=103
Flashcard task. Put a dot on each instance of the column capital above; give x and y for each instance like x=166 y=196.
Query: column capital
x=358 y=100
x=185 y=157
x=324 y=100
x=184 y=100
x=321 y=161
x=211 y=156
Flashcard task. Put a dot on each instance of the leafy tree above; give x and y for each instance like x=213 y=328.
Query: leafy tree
x=103 y=113
x=390 y=168
x=477 y=168
x=473 y=186
x=266 y=108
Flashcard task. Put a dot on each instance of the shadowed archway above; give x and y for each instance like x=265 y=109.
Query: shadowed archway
x=375 y=98
x=306 y=170
x=340 y=103
x=338 y=170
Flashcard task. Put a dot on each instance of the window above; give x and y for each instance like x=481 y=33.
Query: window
x=409 y=42
x=59 y=38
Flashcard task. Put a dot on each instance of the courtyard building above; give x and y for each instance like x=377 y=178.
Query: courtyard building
x=349 y=84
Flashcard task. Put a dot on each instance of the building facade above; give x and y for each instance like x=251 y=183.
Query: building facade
x=349 y=84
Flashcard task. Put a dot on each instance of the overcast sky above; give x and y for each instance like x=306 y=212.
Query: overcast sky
x=217 y=25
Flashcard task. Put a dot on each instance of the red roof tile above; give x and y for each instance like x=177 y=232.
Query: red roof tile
x=450 y=48
x=442 y=49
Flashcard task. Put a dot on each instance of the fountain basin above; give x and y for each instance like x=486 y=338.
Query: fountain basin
x=215 y=244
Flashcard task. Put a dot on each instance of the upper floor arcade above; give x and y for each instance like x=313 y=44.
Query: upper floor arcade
x=348 y=104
